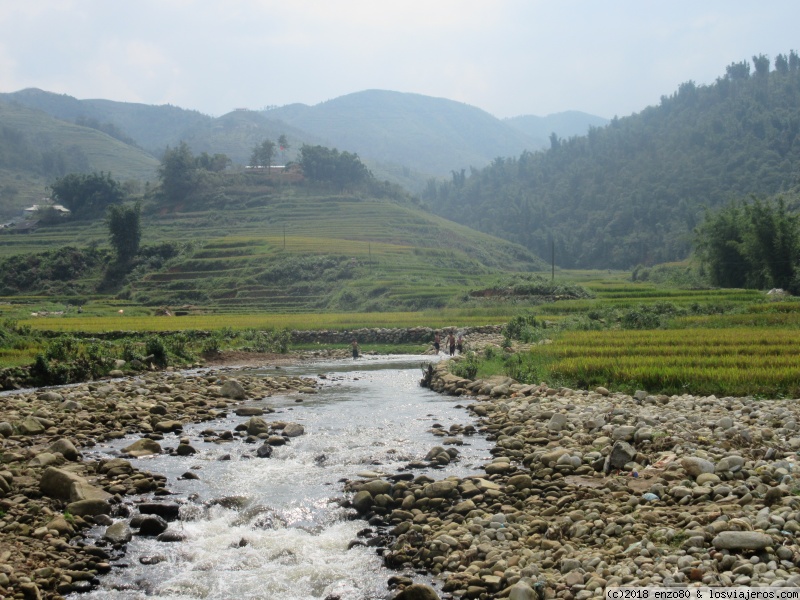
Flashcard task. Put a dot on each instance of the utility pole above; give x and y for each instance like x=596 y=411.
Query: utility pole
x=553 y=258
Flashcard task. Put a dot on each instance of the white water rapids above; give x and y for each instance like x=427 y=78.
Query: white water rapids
x=289 y=537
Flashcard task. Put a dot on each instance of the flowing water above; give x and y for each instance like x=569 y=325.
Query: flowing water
x=288 y=537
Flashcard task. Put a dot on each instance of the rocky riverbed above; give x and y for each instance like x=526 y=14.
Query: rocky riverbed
x=590 y=489
x=50 y=494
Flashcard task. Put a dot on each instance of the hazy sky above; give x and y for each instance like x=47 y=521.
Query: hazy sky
x=508 y=57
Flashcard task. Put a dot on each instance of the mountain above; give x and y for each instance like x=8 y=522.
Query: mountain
x=632 y=192
x=429 y=135
x=152 y=127
x=404 y=138
x=36 y=148
x=564 y=124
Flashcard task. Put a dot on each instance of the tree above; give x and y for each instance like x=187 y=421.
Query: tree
x=263 y=154
x=124 y=229
x=341 y=168
x=87 y=196
x=178 y=173
x=215 y=164
x=283 y=143
x=751 y=245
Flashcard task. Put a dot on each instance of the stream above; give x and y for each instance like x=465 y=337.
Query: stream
x=288 y=537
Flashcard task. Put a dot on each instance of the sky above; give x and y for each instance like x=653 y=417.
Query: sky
x=507 y=57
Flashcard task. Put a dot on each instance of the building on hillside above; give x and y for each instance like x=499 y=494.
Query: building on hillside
x=36 y=209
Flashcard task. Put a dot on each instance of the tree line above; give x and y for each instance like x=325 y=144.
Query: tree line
x=633 y=192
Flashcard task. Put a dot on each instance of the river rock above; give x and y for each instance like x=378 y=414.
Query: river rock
x=45 y=459
x=89 y=507
x=57 y=483
x=257 y=426
x=557 y=422
x=741 y=540
x=165 y=510
x=143 y=447
x=152 y=525
x=232 y=389
x=30 y=426
x=417 y=591
x=439 y=489
x=522 y=591
x=362 y=501
x=6 y=429
x=249 y=411
x=621 y=454
x=694 y=465
x=51 y=396
x=264 y=450
x=377 y=486
x=293 y=430
x=83 y=490
x=65 y=447
x=118 y=533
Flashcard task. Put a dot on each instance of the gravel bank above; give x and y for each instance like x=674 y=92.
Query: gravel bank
x=591 y=489
x=49 y=494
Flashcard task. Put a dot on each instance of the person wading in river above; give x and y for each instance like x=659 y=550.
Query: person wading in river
x=437 y=341
x=354 y=344
x=451 y=341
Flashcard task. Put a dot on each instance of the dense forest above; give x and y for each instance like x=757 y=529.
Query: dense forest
x=633 y=192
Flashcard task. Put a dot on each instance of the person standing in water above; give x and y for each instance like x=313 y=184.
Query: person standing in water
x=437 y=341
x=451 y=341
x=354 y=344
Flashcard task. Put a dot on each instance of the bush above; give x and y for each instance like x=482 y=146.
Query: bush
x=155 y=347
x=467 y=367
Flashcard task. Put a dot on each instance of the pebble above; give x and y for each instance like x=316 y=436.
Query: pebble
x=589 y=489
x=50 y=494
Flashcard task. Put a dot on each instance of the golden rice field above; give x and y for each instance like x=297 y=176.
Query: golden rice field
x=213 y=322
x=735 y=361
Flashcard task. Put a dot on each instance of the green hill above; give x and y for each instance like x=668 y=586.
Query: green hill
x=632 y=192
x=36 y=148
x=152 y=127
x=260 y=246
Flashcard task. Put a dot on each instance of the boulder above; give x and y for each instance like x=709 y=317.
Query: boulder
x=621 y=454
x=143 y=447
x=293 y=430
x=256 y=426
x=694 y=465
x=232 y=389
x=91 y=507
x=522 y=591
x=118 y=533
x=57 y=483
x=65 y=447
x=152 y=525
x=83 y=490
x=418 y=591
x=30 y=426
x=741 y=540
x=167 y=511
x=439 y=489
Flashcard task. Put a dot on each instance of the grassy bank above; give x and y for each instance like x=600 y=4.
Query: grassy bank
x=657 y=338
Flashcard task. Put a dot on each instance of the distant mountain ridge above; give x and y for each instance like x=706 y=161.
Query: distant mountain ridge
x=431 y=136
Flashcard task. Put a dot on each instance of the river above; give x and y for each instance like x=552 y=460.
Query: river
x=289 y=538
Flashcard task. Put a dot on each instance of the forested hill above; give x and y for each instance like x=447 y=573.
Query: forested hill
x=632 y=192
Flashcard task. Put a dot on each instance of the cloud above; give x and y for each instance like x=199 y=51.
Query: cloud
x=508 y=57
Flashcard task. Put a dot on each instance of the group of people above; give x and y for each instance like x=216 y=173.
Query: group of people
x=453 y=344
